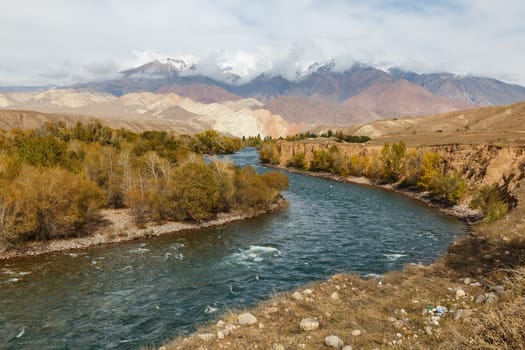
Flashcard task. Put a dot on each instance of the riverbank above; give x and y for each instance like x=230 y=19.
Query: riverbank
x=462 y=212
x=470 y=298
x=116 y=225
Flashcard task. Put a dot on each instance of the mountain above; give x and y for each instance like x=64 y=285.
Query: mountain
x=395 y=97
x=161 y=68
x=320 y=93
x=470 y=89
x=200 y=92
x=162 y=111
x=311 y=111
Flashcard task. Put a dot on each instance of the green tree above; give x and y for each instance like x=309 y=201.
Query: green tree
x=392 y=158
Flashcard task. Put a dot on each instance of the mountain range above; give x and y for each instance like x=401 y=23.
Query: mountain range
x=178 y=89
x=321 y=94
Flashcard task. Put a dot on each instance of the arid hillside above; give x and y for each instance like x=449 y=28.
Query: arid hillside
x=147 y=111
x=502 y=124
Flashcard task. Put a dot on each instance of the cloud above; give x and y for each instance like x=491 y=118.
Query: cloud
x=466 y=36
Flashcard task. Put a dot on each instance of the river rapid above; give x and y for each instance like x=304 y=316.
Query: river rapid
x=142 y=293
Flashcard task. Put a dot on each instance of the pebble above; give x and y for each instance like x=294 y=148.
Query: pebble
x=333 y=341
x=347 y=347
x=308 y=292
x=297 y=296
x=467 y=280
x=335 y=296
x=309 y=324
x=462 y=314
x=206 y=336
x=278 y=347
x=398 y=324
x=428 y=330
x=460 y=293
x=220 y=335
x=221 y=324
x=246 y=319
x=272 y=310
x=355 y=333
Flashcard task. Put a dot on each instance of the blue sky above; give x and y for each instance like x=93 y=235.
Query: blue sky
x=65 y=41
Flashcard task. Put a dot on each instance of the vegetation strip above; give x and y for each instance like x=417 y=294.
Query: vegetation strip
x=56 y=179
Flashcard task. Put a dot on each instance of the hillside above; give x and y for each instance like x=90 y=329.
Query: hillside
x=311 y=111
x=401 y=97
x=502 y=124
x=161 y=111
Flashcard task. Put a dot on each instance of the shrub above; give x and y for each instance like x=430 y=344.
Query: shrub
x=194 y=192
x=297 y=161
x=42 y=204
x=269 y=153
x=490 y=200
x=392 y=158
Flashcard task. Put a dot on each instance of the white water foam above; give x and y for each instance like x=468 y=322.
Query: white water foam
x=394 y=257
x=254 y=254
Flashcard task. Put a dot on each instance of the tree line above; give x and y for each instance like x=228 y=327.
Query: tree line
x=395 y=164
x=55 y=179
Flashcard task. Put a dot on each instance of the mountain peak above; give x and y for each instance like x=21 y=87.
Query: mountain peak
x=163 y=67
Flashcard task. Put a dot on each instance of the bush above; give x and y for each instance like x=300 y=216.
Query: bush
x=42 y=204
x=490 y=200
x=392 y=158
x=297 y=161
x=269 y=153
x=194 y=192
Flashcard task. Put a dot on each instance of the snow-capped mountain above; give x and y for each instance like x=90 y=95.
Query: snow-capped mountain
x=161 y=68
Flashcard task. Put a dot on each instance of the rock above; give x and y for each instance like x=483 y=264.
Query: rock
x=491 y=297
x=309 y=324
x=355 y=333
x=497 y=289
x=460 y=293
x=335 y=296
x=206 y=336
x=428 y=330
x=476 y=284
x=272 y=310
x=391 y=319
x=480 y=299
x=398 y=324
x=297 y=296
x=220 y=335
x=333 y=341
x=308 y=292
x=246 y=319
x=467 y=280
x=462 y=314
x=347 y=347
x=221 y=324
x=163 y=348
x=278 y=347
x=261 y=325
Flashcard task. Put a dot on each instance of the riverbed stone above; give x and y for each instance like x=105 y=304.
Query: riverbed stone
x=463 y=314
x=335 y=296
x=334 y=341
x=206 y=336
x=460 y=293
x=347 y=347
x=309 y=324
x=278 y=347
x=246 y=319
x=398 y=324
x=220 y=335
x=355 y=333
x=297 y=296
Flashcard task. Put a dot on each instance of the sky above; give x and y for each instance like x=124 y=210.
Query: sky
x=66 y=41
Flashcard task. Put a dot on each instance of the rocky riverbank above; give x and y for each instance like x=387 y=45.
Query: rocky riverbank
x=461 y=211
x=116 y=226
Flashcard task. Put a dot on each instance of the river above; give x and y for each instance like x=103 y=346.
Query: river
x=135 y=294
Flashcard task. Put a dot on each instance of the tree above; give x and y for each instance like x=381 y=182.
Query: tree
x=194 y=192
x=392 y=158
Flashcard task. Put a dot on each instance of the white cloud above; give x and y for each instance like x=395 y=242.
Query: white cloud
x=481 y=37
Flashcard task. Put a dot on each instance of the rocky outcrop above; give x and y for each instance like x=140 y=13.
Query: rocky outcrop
x=480 y=164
